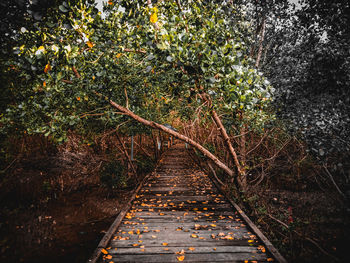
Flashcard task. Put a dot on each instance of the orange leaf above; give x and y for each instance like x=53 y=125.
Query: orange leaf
x=153 y=18
x=44 y=84
x=191 y=248
x=110 y=2
x=47 y=68
x=104 y=251
x=108 y=257
x=78 y=98
x=180 y=258
x=164 y=244
x=194 y=236
x=118 y=55
x=90 y=45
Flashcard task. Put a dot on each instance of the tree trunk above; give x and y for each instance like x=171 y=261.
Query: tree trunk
x=241 y=173
x=175 y=134
x=262 y=36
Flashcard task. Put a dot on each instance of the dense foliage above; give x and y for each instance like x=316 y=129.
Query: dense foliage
x=308 y=63
x=150 y=59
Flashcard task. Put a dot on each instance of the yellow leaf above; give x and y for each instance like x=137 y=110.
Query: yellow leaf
x=153 y=18
x=47 y=67
x=180 y=258
x=250 y=241
x=213 y=225
x=104 y=251
x=154 y=236
x=194 y=236
x=90 y=45
x=41 y=48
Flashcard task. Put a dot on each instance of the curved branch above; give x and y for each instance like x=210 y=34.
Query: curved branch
x=175 y=134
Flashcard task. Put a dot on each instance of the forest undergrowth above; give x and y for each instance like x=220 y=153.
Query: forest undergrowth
x=60 y=199
x=299 y=205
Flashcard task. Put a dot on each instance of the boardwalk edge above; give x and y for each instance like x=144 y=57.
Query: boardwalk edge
x=271 y=248
x=107 y=237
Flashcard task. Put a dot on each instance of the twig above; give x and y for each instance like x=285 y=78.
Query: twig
x=332 y=179
x=214 y=174
x=306 y=238
x=256 y=146
x=136 y=51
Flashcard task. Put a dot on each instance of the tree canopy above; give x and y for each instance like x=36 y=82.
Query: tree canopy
x=154 y=59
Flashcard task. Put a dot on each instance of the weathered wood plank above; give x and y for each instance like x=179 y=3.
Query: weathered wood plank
x=180 y=208
x=204 y=257
x=188 y=250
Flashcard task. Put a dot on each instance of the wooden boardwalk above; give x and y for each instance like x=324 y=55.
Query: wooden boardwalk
x=180 y=215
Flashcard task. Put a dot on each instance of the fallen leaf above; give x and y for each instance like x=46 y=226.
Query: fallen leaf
x=104 y=251
x=180 y=258
x=108 y=257
x=191 y=248
x=164 y=244
x=181 y=252
x=154 y=236
x=194 y=236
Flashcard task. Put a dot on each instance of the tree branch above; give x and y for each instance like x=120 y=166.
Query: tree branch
x=175 y=134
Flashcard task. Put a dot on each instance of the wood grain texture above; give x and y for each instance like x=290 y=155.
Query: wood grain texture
x=179 y=214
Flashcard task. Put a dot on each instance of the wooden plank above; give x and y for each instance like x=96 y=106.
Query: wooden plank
x=271 y=248
x=186 y=243
x=193 y=250
x=169 y=208
x=204 y=257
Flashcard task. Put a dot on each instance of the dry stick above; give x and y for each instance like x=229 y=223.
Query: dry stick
x=183 y=15
x=306 y=238
x=76 y=73
x=142 y=149
x=256 y=146
x=332 y=179
x=126 y=154
x=175 y=134
x=241 y=172
x=214 y=174
x=135 y=51
x=126 y=98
